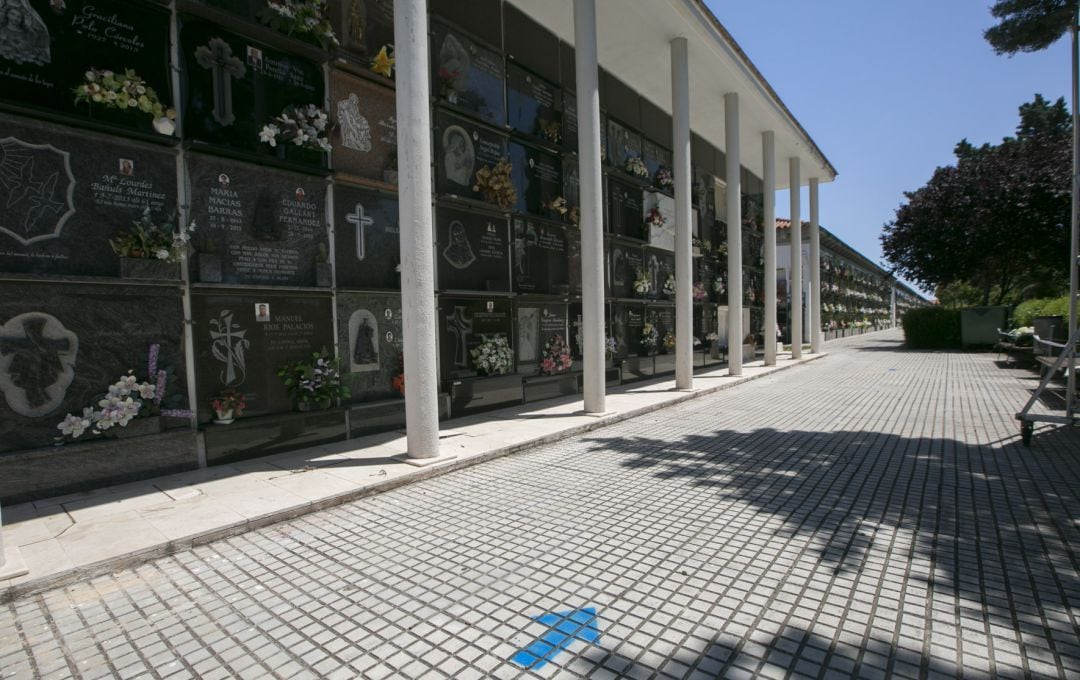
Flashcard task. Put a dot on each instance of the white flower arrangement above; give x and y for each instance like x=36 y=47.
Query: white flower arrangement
x=116 y=408
x=125 y=91
x=642 y=284
x=636 y=168
x=718 y=285
x=664 y=177
x=493 y=356
x=649 y=337
x=669 y=285
x=303 y=126
x=303 y=17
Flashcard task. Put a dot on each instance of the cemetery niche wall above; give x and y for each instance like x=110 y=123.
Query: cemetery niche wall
x=286 y=250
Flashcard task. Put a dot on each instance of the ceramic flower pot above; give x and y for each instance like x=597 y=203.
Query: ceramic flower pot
x=224 y=417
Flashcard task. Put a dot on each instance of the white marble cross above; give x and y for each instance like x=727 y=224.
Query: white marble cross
x=361 y=221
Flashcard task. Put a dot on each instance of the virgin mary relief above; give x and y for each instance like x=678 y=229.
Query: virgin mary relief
x=24 y=38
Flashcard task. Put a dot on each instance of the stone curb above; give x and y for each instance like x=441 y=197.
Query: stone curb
x=133 y=559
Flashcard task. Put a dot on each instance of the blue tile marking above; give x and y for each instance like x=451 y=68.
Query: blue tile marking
x=564 y=628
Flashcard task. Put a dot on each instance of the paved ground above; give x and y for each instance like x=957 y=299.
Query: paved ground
x=870 y=514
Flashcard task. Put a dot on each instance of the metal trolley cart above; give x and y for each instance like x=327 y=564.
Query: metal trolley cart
x=1066 y=360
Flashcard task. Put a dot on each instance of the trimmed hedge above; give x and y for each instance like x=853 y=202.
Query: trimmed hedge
x=932 y=328
x=1026 y=311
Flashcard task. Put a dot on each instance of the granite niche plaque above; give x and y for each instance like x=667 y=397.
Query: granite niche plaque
x=64 y=194
x=623 y=143
x=367 y=242
x=463 y=325
x=261 y=226
x=242 y=340
x=625 y=209
x=363 y=26
x=540 y=262
x=537 y=176
x=659 y=267
x=624 y=264
x=61 y=346
x=47 y=47
x=235 y=87
x=467 y=75
x=369 y=334
x=655 y=157
x=570 y=122
x=534 y=106
x=536 y=326
x=461 y=148
x=627 y=323
x=365 y=136
x=471 y=251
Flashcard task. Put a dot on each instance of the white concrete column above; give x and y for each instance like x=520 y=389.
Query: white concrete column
x=417 y=251
x=11 y=562
x=796 y=287
x=892 y=305
x=768 y=149
x=592 y=207
x=734 y=232
x=815 y=270
x=684 y=263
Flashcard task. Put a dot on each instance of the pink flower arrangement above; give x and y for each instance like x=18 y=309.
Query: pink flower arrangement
x=556 y=356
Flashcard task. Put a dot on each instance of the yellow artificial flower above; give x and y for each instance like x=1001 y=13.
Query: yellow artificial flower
x=383 y=63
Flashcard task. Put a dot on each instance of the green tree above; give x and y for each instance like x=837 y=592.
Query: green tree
x=997 y=220
x=1029 y=25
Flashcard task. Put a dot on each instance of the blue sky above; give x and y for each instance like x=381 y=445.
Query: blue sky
x=887 y=89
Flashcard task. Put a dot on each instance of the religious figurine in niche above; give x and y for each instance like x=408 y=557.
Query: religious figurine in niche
x=357 y=20
x=654 y=273
x=618 y=268
x=37 y=363
x=459 y=156
x=355 y=129
x=363 y=330
x=24 y=38
x=528 y=333
x=459 y=252
x=217 y=57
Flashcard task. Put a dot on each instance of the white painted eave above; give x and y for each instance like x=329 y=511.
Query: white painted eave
x=634 y=45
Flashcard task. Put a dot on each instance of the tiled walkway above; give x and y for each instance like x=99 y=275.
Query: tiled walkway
x=869 y=514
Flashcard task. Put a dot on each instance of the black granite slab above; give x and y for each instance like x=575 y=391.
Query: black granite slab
x=234 y=86
x=266 y=226
x=536 y=324
x=533 y=105
x=472 y=251
x=464 y=323
x=462 y=147
x=47 y=46
x=540 y=262
x=235 y=349
x=623 y=143
x=367 y=240
x=625 y=209
x=624 y=261
x=370 y=338
x=62 y=345
x=467 y=75
x=537 y=176
x=362 y=26
x=66 y=193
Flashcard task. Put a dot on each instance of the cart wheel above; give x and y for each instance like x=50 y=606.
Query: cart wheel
x=1026 y=430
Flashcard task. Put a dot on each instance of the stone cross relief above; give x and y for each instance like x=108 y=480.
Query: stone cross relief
x=37 y=363
x=361 y=221
x=229 y=346
x=217 y=57
x=461 y=329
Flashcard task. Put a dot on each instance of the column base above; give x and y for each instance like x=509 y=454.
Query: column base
x=13 y=566
x=427 y=462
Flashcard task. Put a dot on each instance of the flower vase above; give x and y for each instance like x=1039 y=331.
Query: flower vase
x=224 y=417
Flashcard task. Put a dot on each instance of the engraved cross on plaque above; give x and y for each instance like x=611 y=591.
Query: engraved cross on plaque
x=217 y=57
x=361 y=221
x=36 y=364
x=461 y=329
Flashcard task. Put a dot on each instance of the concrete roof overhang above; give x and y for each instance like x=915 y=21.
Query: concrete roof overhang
x=633 y=43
